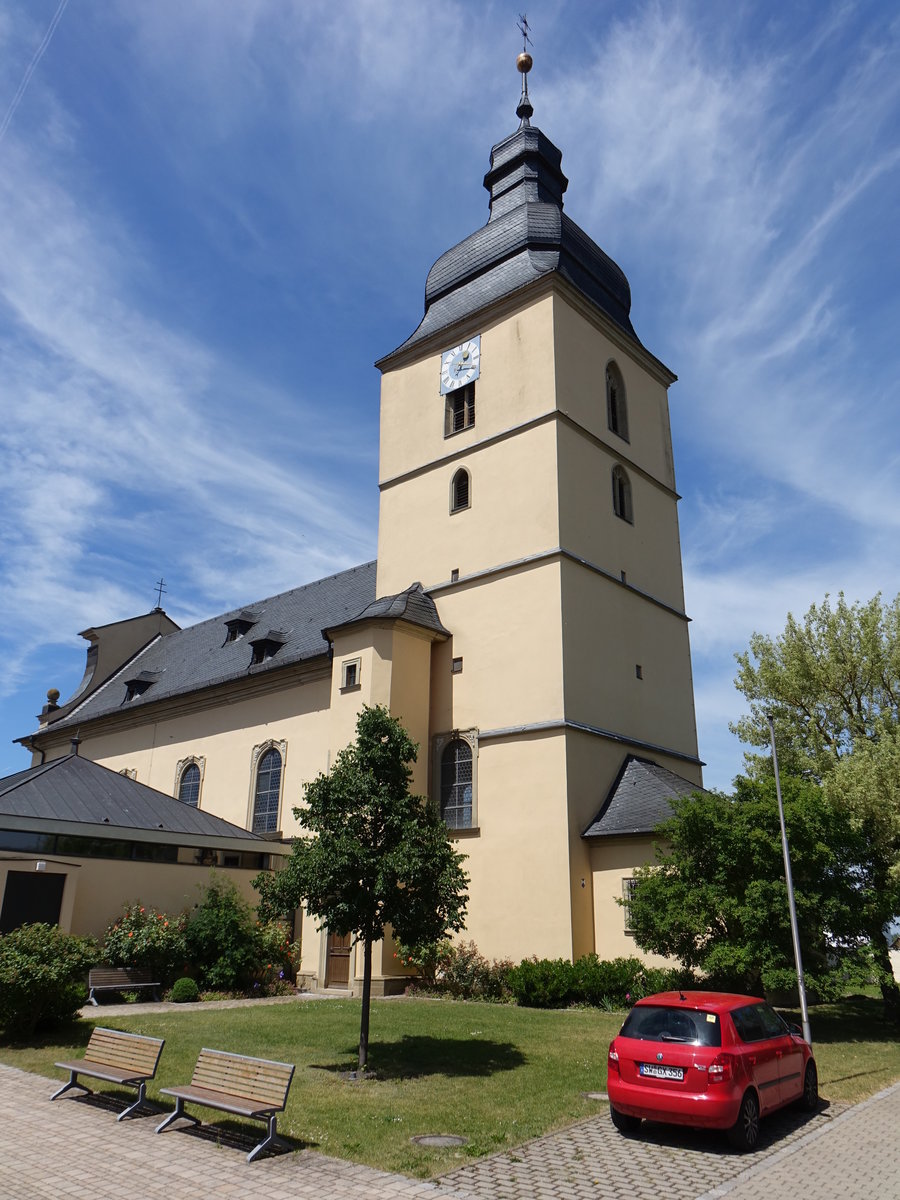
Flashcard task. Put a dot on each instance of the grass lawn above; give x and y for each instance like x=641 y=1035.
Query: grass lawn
x=496 y=1075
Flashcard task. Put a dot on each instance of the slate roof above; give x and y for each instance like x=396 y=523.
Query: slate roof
x=413 y=605
x=77 y=791
x=526 y=237
x=639 y=799
x=293 y=622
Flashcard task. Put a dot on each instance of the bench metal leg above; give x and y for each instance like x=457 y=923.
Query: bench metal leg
x=269 y=1140
x=142 y=1093
x=179 y=1112
x=92 y=999
x=73 y=1083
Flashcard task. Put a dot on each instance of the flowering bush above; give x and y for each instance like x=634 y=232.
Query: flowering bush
x=148 y=939
x=41 y=977
x=229 y=950
x=457 y=969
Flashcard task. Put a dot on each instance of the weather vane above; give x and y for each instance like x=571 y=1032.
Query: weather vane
x=524 y=64
x=160 y=588
x=523 y=29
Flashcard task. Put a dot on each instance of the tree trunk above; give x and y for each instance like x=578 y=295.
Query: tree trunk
x=890 y=990
x=366 y=998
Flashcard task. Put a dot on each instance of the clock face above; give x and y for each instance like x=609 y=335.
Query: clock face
x=460 y=365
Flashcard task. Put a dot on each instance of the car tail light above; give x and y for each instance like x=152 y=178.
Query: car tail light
x=720 y=1069
x=612 y=1061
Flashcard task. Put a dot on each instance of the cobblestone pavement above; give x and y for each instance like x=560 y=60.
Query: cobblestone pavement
x=75 y=1149
x=592 y=1161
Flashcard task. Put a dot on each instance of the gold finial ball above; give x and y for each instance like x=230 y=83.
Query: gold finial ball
x=524 y=63
x=53 y=695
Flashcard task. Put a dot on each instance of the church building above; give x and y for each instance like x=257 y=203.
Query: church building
x=524 y=618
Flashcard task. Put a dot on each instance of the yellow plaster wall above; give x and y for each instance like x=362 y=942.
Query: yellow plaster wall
x=612 y=860
x=507 y=632
x=518 y=863
x=583 y=350
x=97 y=889
x=516 y=384
x=609 y=632
x=647 y=550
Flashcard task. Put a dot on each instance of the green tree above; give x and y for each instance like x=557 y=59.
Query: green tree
x=832 y=685
x=377 y=856
x=831 y=682
x=717 y=900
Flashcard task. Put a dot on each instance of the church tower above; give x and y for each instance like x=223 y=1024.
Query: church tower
x=526 y=479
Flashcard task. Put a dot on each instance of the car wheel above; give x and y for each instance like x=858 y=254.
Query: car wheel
x=744 y=1133
x=623 y=1122
x=809 y=1101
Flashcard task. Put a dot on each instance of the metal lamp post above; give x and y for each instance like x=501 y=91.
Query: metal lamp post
x=795 y=932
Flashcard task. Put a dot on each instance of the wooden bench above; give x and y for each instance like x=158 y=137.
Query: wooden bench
x=234 y=1083
x=125 y=1058
x=119 y=979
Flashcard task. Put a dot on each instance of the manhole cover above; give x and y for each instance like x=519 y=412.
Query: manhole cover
x=439 y=1139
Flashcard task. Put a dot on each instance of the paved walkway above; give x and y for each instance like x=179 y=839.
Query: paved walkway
x=75 y=1149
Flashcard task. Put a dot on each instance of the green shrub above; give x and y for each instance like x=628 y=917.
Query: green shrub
x=148 y=940
x=42 y=971
x=229 y=950
x=543 y=983
x=458 y=970
x=184 y=991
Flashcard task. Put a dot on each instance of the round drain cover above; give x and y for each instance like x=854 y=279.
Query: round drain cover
x=438 y=1139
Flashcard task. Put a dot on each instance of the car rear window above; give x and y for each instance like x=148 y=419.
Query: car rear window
x=659 y=1023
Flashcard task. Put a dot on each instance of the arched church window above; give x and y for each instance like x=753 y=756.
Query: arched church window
x=621 y=486
x=268 y=793
x=460 y=491
x=189 y=785
x=616 y=406
x=456 y=784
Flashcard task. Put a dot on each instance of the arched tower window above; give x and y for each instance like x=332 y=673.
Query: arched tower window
x=621 y=486
x=616 y=407
x=189 y=785
x=456 y=784
x=268 y=792
x=460 y=491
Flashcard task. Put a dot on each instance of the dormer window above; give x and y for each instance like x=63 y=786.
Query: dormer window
x=267 y=647
x=138 y=685
x=239 y=625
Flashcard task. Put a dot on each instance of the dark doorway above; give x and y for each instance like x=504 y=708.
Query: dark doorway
x=31 y=896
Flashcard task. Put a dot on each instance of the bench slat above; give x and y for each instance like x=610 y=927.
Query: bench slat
x=125 y=1050
x=257 y=1080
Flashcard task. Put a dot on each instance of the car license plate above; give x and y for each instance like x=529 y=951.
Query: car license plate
x=660 y=1072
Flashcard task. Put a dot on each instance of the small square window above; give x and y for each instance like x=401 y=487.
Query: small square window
x=456 y=666
x=454 y=575
x=350 y=673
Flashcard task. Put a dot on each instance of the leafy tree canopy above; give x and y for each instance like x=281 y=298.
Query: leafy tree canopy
x=830 y=681
x=717 y=899
x=377 y=855
x=832 y=685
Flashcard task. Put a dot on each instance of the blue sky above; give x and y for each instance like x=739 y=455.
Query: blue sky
x=216 y=214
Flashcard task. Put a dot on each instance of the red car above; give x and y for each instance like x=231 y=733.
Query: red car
x=708 y=1059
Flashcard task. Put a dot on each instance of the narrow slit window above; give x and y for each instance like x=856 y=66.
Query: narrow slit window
x=616 y=406
x=621 y=486
x=460 y=491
